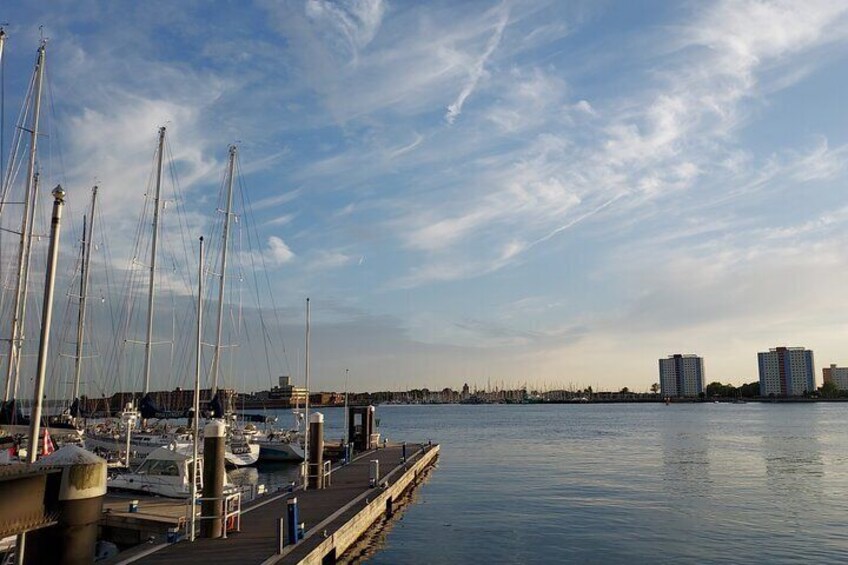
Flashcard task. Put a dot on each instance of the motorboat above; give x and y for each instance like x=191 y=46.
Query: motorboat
x=166 y=471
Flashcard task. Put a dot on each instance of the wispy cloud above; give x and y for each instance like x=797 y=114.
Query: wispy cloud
x=478 y=67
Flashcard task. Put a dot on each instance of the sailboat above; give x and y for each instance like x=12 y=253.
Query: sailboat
x=112 y=436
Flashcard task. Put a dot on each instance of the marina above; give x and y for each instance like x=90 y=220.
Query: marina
x=333 y=517
x=401 y=283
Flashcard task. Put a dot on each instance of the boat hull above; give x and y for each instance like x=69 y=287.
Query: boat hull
x=241 y=455
x=280 y=452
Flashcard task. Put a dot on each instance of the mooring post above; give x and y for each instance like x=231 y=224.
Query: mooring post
x=292 y=519
x=213 y=479
x=403 y=453
x=316 y=450
x=80 y=504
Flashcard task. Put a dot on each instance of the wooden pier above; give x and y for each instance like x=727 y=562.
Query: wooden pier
x=334 y=517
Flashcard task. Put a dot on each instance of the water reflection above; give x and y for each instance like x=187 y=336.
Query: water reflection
x=686 y=461
x=274 y=476
x=792 y=458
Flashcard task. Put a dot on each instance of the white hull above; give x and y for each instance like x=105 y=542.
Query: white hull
x=242 y=455
x=280 y=451
x=159 y=486
x=141 y=444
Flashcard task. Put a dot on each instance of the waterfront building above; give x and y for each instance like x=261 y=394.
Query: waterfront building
x=836 y=375
x=284 y=392
x=786 y=371
x=682 y=375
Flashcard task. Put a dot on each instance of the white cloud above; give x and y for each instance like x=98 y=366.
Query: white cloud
x=278 y=252
x=475 y=72
x=331 y=259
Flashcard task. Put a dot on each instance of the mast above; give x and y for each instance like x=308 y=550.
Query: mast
x=196 y=418
x=87 y=236
x=19 y=307
x=216 y=356
x=151 y=288
x=306 y=405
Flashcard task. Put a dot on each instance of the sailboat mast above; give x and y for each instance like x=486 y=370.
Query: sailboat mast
x=151 y=288
x=216 y=356
x=196 y=403
x=306 y=405
x=87 y=235
x=26 y=233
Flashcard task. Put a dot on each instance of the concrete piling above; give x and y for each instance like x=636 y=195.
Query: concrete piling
x=315 y=467
x=212 y=507
x=81 y=488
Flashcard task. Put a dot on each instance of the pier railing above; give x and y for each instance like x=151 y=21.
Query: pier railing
x=232 y=511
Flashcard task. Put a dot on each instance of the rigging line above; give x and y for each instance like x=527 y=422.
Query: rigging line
x=17 y=143
x=54 y=120
x=180 y=212
x=259 y=306
x=130 y=285
x=248 y=211
x=275 y=311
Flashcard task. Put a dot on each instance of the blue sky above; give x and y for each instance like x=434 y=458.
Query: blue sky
x=544 y=192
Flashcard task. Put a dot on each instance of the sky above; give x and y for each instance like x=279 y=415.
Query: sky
x=541 y=192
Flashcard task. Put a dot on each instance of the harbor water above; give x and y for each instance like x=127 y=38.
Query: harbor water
x=623 y=483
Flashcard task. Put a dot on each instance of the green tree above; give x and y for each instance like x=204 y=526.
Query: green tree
x=750 y=390
x=720 y=390
x=625 y=390
x=655 y=388
x=829 y=390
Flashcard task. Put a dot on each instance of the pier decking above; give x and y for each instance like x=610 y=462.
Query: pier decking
x=334 y=517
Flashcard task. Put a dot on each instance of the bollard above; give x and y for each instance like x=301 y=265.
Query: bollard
x=214 y=438
x=403 y=453
x=292 y=517
x=374 y=473
x=315 y=468
x=80 y=490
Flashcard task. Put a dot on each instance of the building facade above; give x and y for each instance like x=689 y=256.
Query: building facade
x=682 y=375
x=786 y=371
x=836 y=375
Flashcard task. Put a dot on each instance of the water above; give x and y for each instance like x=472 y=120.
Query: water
x=695 y=483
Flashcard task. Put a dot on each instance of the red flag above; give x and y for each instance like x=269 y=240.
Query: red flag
x=47 y=446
